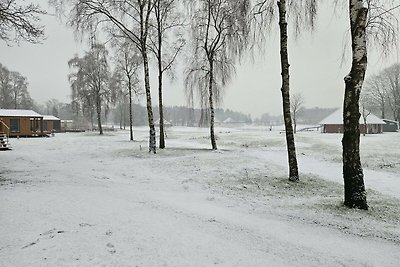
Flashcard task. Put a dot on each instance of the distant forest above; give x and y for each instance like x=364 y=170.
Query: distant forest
x=178 y=115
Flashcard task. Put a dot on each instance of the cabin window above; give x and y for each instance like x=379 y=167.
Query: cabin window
x=14 y=126
x=45 y=125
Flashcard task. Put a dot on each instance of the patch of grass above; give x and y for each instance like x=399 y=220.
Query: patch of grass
x=4 y=181
x=94 y=133
x=308 y=186
x=167 y=152
x=315 y=201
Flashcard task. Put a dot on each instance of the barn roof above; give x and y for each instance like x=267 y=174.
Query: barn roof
x=19 y=113
x=50 y=118
x=337 y=118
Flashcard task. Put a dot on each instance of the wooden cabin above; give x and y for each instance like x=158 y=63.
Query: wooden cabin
x=51 y=124
x=334 y=124
x=21 y=123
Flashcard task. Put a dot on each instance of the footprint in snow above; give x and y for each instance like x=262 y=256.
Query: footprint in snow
x=111 y=248
x=85 y=224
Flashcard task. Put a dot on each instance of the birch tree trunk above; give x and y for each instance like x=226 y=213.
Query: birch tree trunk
x=160 y=74
x=130 y=109
x=354 y=189
x=294 y=123
x=160 y=97
x=211 y=102
x=291 y=148
x=124 y=112
x=120 y=117
x=98 y=110
x=152 y=140
x=91 y=119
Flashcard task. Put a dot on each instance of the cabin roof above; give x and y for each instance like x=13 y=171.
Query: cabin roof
x=50 y=118
x=19 y=113
x=392 y=121
x=337 y=118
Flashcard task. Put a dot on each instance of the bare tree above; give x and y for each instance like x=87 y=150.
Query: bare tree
x=367 y=18
x=391 y=78
x=81 y=99
x=19 y=88
x=90 y=79
x=52 y=107
x=303 y=12
x=167 y=19
x=296 y=104
x=383 y=91
x=365 y=101
x=20 y=22
x=219 y=35
x=376 y=90
x=5 y=92
x=128 y=61
x=121 y=95
x=14 y=90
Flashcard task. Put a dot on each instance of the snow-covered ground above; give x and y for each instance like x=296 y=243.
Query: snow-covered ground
x=79 y=199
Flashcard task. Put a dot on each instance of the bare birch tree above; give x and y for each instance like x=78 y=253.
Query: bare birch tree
x=121 y=95
x=371 y=19
x=167 y=19
x=296 y=104
x=391 y=76
x=303 y=13
x=128 y=61
x=89 y=79
x=375 y=88
x=365 y=102
x=220 y=29
x=383 y=91
x=20 y=22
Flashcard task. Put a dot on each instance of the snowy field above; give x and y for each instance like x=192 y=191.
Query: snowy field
x=80 y=199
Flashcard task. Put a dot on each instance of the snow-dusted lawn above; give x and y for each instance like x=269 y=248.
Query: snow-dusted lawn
x=89 y=200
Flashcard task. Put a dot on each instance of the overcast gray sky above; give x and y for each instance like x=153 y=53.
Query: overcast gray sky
x=315 y=59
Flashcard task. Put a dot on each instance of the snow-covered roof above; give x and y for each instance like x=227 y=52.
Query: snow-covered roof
x=337 y=118
x=392 y=121
x=228 y=120
x=165 y=122
x=19 y=113
x=50 y=118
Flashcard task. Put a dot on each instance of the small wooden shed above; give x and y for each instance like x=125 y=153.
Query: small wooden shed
x=334 y=123
x=23 y=123
x=51 y=124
